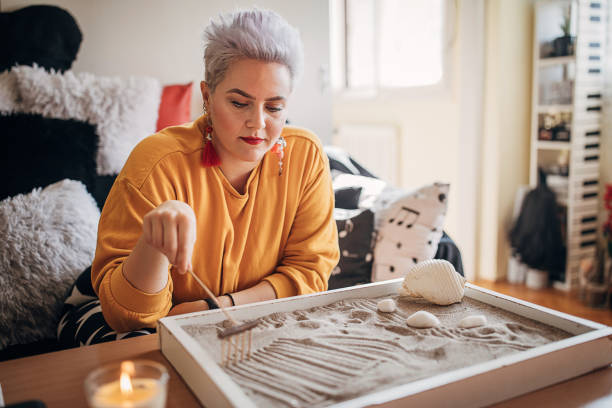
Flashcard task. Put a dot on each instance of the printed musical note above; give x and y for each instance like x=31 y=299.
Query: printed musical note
x=348 y=228
x=384 y=268
x=347 y=254
x=405 y=215
x=383 y=271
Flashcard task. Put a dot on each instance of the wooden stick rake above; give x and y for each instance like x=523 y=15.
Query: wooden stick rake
x=234 y=339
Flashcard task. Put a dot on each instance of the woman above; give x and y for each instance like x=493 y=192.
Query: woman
x=237 y=197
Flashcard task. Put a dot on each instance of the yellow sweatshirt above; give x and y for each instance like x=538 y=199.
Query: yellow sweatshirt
x=280 y=230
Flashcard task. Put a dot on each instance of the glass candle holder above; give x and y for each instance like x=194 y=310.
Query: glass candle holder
x=127 y=384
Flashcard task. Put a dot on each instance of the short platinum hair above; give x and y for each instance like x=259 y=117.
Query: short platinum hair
x=256 y=34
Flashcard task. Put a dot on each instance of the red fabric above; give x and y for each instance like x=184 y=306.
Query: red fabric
x=175 y=106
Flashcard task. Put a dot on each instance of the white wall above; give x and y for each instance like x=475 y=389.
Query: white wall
x=163 y=39
x=507 y=114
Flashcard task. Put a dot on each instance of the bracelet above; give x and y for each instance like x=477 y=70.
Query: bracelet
x=231 y=298
x=211 y=304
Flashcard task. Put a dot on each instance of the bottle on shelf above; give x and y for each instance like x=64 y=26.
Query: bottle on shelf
x=546 y=128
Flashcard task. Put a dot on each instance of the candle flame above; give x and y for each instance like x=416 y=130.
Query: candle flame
x=125 y=381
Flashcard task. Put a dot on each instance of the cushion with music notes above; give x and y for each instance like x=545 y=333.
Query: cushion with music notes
x=355 y=238
x=409 y=230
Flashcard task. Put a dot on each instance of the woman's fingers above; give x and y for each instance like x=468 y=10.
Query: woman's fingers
x=156 y=233
x=170 y=244
x=147 y=229
x=186 y=240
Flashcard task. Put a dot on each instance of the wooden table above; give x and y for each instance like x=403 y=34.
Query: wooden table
x=57 y=378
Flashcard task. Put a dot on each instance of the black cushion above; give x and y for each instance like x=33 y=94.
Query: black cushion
x=347 y=197
x=39 y=151
x=448 y=250
x=46 y=35
x=356 y=252
x=341 y=161
x=101 y=188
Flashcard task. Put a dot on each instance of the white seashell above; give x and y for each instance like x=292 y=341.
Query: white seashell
x=386 y=306
x=435 y=280
x=422 y=320
x=404 y=291
x=473 y=321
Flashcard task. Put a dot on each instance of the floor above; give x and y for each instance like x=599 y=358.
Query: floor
x=552 y=298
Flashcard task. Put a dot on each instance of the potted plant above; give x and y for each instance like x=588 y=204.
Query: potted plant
x=564 y=45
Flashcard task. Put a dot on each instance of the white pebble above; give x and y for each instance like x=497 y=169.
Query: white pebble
x=422 y=320
x=386 y=306
x=473 y=321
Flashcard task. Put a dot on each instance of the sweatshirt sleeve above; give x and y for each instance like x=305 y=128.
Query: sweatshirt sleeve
x=124 y=306
x=312 y=249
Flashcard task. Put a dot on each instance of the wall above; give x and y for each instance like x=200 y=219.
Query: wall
x=163 y=39
x=505 y=152
x=440 y=128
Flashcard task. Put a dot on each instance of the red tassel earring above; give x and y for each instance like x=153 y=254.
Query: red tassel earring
x=210 y=157
x=279 y=150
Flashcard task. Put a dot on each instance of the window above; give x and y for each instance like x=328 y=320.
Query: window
x=378 y=44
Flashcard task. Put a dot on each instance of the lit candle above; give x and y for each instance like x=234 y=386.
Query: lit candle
x=138 y=386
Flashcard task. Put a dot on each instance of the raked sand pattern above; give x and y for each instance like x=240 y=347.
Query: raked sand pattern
x=324 y=355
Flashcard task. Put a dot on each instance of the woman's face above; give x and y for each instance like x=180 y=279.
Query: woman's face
x=248 y=110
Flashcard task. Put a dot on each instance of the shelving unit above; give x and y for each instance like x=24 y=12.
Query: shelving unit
x=566 y=118
x=552 y=145
x=555 y=108
x=550 y=61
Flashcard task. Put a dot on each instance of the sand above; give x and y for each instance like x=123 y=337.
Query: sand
x=324 y=355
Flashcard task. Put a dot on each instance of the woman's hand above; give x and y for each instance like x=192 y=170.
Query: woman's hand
x=171 y=229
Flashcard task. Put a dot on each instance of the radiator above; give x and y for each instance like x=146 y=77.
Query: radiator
x=375 y=147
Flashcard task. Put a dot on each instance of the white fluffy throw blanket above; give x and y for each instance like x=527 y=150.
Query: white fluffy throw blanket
x=9 y=95
x=48 y=239
x=124 y=110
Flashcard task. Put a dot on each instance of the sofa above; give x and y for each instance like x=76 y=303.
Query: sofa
x=64 y=148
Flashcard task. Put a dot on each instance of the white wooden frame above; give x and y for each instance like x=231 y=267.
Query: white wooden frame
x=477 y=385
